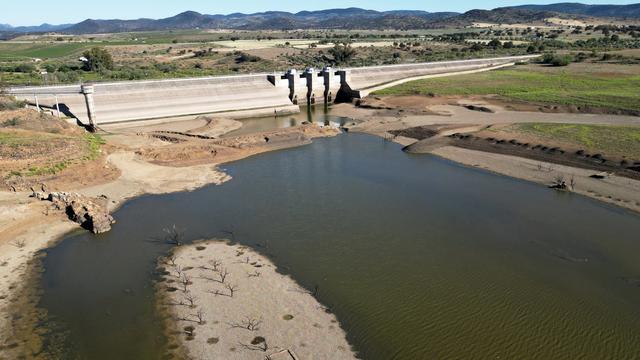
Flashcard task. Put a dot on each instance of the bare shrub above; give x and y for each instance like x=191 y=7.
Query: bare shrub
x=19 y=243
x=258 y=343
x=171 y=260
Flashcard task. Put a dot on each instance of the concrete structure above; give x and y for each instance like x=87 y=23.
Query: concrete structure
x=235 y=96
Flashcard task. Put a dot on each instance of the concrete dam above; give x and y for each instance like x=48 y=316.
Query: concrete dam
x=236 y=96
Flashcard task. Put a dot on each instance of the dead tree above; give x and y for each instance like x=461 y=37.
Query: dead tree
x=171 y=260
x=215 y=265
x=200 y=316
x=248 y=323
x=231 y=233
x=185 y=281
x=191 y=300
x=173 y=235
x=572 y=182
x=232 y=288
x=222 y=274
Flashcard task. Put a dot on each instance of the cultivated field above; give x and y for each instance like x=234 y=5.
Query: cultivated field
x=598 y=85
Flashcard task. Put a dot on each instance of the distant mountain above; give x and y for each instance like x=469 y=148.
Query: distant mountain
x=613 y=11
x=39 y=28
x=350 y=18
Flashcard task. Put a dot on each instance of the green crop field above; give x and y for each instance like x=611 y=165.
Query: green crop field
x=564 y=86
x=21 y=51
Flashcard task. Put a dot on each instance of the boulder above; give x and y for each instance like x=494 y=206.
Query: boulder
x=90 y=213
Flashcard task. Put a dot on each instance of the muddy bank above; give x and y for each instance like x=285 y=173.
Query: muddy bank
x=427 y=138
x=612 y=189
x=229 y=302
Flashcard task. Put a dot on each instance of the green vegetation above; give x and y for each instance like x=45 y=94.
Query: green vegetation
x=342 y=53
x=557 y=60
x=574 y=85
x=18 y=141
x=620 y=140
x=94 y=142
x=45 y=170
x=98 y=59
x=22 y=51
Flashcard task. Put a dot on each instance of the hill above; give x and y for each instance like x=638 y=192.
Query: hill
x=350 y=18
x=612 y=11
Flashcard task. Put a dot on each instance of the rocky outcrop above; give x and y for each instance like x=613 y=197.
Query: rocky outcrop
x=90 y=213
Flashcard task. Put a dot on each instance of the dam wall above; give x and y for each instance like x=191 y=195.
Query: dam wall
x=143 y=100
x=365 y=79
x=235 y=96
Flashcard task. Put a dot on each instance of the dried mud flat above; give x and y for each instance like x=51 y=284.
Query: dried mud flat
x=229 y=302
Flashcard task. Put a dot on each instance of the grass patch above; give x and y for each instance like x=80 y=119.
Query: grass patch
x=94 y=142
x=90 y=150
x=560 y=86
x=610 y=139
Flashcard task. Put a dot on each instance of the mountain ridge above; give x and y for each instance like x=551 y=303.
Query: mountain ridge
x=347 y=18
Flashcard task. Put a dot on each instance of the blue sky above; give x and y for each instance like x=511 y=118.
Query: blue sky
x=35 y=12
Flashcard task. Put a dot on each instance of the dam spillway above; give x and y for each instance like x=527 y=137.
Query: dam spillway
x=238 y=95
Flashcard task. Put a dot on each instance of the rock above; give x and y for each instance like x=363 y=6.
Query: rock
x=90 y=213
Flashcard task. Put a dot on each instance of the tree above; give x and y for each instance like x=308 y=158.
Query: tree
x=495 y=43
x=25 y=68
x=342 y=53
x=476 y=47
x=98 y=59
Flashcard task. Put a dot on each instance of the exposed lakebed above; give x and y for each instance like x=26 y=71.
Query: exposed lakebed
x=417 y=256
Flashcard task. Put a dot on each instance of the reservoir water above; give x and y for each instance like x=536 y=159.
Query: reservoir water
x=419 y=258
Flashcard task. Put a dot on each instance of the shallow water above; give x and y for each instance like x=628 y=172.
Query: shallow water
x=417 y=256
x=315 y=115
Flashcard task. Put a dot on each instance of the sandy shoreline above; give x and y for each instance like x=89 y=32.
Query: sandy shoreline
x=229 y=302
x=28 y=226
